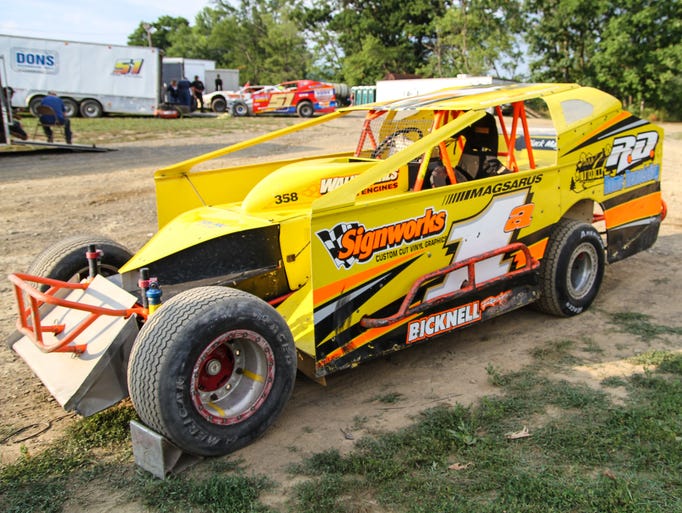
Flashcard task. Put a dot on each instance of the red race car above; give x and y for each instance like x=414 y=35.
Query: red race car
x=302 y=97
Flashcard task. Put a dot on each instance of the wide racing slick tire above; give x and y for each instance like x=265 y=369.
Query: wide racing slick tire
x=240 y=109
x=66 y=261
x=305 y=109
x=212 y=369
x=218 y=104
x=572 y=269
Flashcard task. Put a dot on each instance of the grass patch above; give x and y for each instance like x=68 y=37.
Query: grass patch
x=99 y=447
x=389 y=398
x=641 y=326
x=220 y=488
x=584 y=453
x=593 y=456
x=117 y=129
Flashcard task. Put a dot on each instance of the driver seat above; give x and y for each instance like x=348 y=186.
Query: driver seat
x=479 y=156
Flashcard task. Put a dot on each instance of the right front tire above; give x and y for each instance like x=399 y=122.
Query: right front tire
x=240 y=109
x=212 y=369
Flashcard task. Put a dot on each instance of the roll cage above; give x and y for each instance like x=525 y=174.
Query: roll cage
x=448 y=150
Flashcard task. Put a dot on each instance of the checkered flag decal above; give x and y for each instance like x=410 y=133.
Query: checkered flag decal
x=332 y=241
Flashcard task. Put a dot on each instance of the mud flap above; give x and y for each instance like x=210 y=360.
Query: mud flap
x=96 y=379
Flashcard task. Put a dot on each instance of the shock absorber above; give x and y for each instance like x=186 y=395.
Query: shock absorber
x=94 y=257
x=143 y=283
x=153 y=295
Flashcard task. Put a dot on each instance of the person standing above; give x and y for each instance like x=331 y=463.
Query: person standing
x=185 y=93
x=198 y=91
x=172 y=92
x=218 y=83
x=57 y=105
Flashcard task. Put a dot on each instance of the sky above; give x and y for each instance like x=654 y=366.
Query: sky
x=91 y=21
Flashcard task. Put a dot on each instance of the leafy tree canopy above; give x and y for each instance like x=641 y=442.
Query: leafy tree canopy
x=631 y=48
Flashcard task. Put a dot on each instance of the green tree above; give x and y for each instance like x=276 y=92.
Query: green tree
x=365 y=39
x=640 y=54
x=261 y=39
x=563 y=36
x=476 y=37
x=630 y=48
x=161 y=32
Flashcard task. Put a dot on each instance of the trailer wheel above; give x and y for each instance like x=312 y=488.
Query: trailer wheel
x=218 y=104
x=66 y=260
x=240 y=109
x=91 y=109
x=70 y=107
x=33 y=104
x=305 y=109
x=572 y=269
x=212 y=369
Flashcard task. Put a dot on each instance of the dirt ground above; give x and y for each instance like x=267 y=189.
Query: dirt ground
x=48 y=196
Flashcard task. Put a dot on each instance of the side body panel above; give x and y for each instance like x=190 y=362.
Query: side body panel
x=366 y=258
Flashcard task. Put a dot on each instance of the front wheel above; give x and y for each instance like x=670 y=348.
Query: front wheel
x=212 y=369
x=66 y=261
x=240 y=109
x=34 y=103
x=572 y=269
x=70 y=107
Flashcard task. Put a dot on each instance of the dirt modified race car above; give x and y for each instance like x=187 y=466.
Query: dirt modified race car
x=437 y=214
x=302 y=97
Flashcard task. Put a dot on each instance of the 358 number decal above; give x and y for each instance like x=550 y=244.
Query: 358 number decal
x=287 y=197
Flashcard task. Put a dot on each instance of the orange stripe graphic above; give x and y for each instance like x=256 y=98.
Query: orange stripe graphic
x=323 y=294
x=638 y=208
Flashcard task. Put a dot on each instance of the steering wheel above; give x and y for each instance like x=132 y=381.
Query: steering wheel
x=390 y=142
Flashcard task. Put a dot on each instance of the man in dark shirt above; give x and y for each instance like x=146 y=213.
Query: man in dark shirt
x=57 y=105
x=198 y=90
x=172 y=92
x=185 y=92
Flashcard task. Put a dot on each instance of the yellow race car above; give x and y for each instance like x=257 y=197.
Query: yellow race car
x=443 y=212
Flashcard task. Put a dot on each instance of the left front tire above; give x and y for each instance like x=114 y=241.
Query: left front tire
x=212 y=369
x=66 y=261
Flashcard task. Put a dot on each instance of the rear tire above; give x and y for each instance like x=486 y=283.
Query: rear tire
x=218 y=104
x=91 y=109
x=66 y=260
x=572 y=269
x=212 y=369
x=305 y=109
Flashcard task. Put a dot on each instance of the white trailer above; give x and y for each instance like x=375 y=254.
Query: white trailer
x=176 y=68
x=229 y=77
x=91 y=78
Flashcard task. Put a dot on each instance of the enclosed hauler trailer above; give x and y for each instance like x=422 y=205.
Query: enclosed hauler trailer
x=91 y=78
